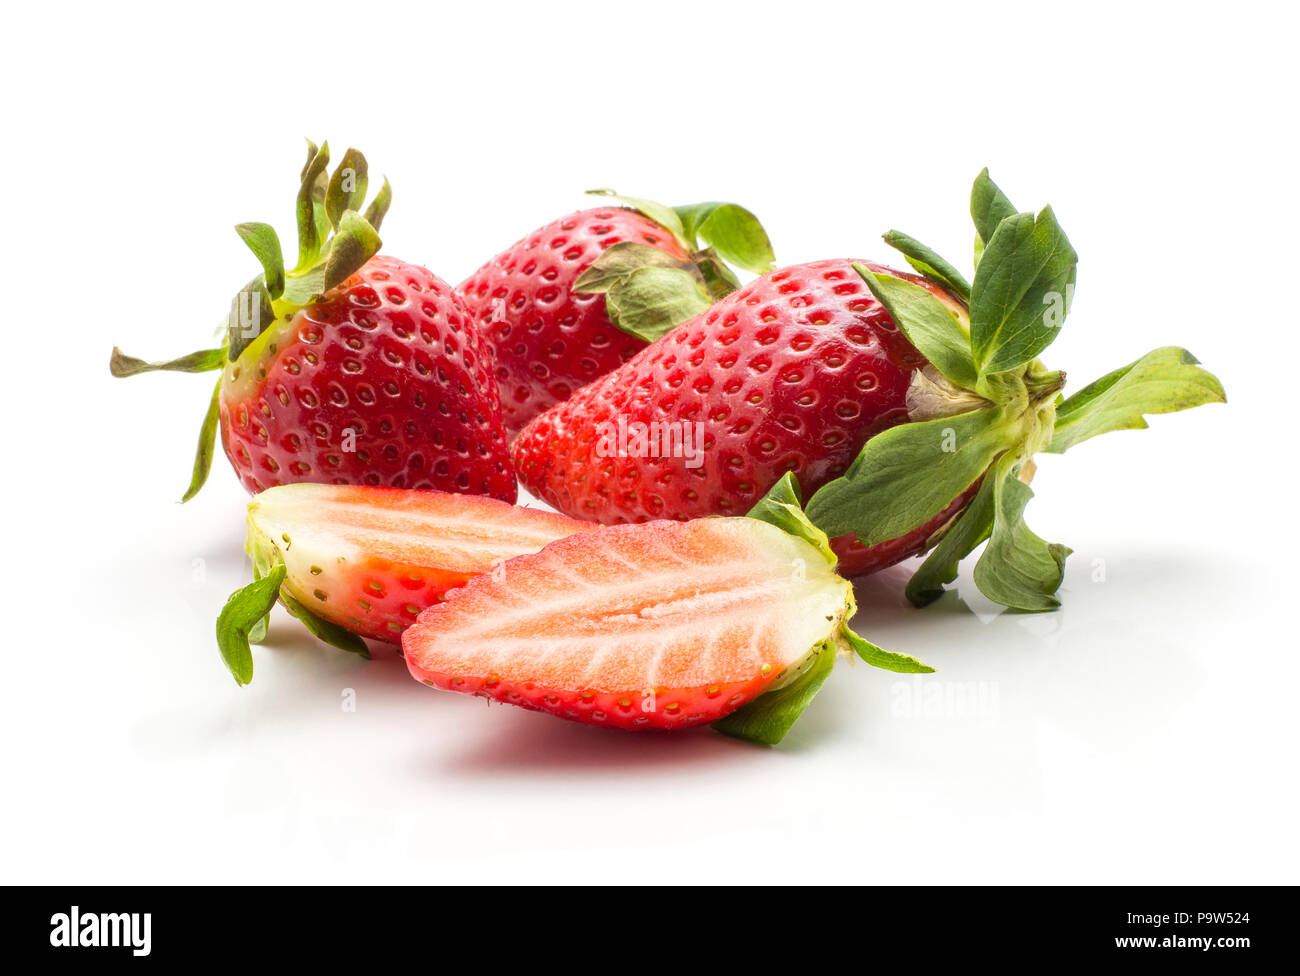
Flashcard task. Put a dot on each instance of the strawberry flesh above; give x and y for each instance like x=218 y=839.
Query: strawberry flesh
x=664 y=625
x=371 y=559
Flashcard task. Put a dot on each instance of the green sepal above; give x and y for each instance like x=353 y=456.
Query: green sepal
x=1017 y=568
x=652 y=301
x=620 y=260
x=305 y=287
x=929 y=264
x=730 y=230
x=324 y=630
x=354 y=245
x=251 y=313
x=878 y=657
x=664 y=216
x=908 y=474
x=782 y=506
x=259 y=630
x=379 y=206
x=312 y=150
x=206 y=447
x=1021 y=291
x=769 y=717
x=989 y=206
x=311 y=198
x=648 y=303
x=971 y=528
x=241 y=615
x=263 y=241
x=719 y=280
x=204 y=361
x=347 y=187
x=928 y=324
x=1163 y=381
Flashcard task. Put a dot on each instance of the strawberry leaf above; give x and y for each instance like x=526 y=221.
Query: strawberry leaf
x=719 y=280
x=928 y=324
x=207 y=444
x=652 y=301
x=311 y=197
x=241 y=614
x=878 y=657
x=929 y=264
x=1163 y=381
x=251 y=313
x=324 y=630
x=378 y=208
x=906 y=475
x=782 y=507
x=769 y=717
x=971 y=528
x=619 y=261
x=730 y=230
x=1021 y=292
x=989 y=206
x=204 y=361
x=347 y=187
x=355 y=244
x=1018 y=569
x=263 y=241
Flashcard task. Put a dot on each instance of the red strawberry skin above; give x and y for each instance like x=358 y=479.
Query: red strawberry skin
x=394 y=357
x=794 y=372
x=616 y=710
x=548 y=340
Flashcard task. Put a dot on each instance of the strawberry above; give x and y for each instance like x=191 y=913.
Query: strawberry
x=794 y=372
x=539 y=303
x=351 y=368
x=911 y=404
x=657 y=626
x=356 y=561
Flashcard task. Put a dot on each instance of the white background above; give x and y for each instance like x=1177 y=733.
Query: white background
x=1145 y=733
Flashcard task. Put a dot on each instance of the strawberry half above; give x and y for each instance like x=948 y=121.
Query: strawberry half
x=577 y=298
x=658 y=626
x=911 y=404
x=351 y=561
x=351 y=368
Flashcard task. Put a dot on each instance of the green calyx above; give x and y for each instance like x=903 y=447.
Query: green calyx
x=770 y=716
x=335 y=238
x=986 y=404
x=649 y=292
x=243 y=620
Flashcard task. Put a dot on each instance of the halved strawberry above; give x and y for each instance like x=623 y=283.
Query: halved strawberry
x=352 y=560
x=659 y=625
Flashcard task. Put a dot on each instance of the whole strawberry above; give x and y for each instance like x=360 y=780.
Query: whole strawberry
x=351 y=368
x=911 y=407
x=794 y=372
x=579 y=297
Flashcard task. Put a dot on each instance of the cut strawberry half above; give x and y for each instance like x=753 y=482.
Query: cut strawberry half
x=353 y=560
x=658 y=625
